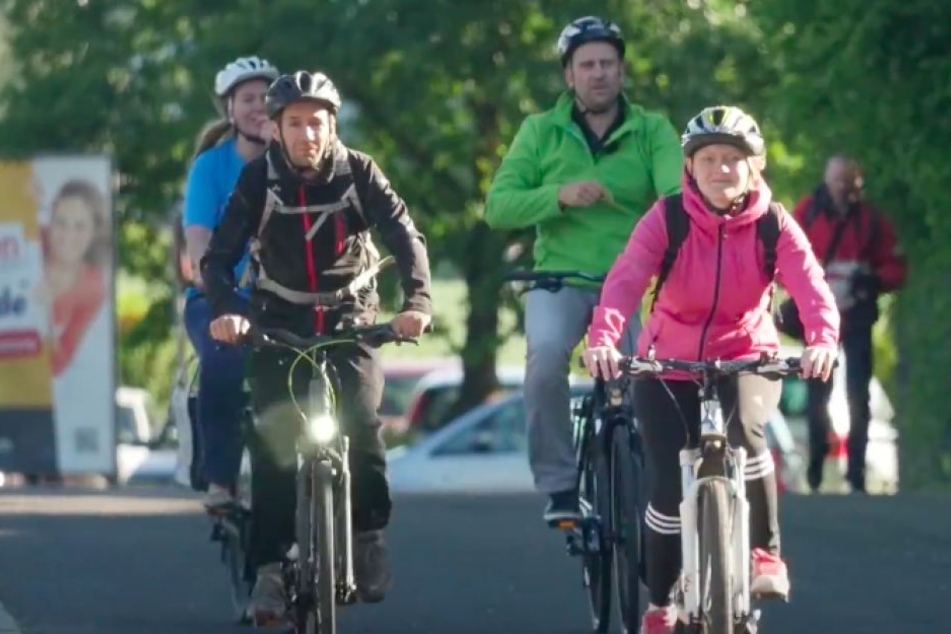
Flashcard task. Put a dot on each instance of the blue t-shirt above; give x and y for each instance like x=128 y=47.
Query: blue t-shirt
x=213 y=176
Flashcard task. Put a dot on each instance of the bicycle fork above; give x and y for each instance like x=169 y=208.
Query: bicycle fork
x=349 y=581
x=690 y=590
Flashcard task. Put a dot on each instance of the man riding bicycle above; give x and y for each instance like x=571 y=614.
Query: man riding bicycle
x=307 y=206
x=582 y=173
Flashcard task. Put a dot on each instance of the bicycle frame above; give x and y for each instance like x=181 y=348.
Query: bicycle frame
x=714 y=459
x=335 y=452
x=322 y=444
x=713 y=453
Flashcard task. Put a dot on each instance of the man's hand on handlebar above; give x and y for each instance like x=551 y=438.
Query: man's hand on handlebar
x=229 y=328
x=603 y=361
x=818 y=362
x=410 y=324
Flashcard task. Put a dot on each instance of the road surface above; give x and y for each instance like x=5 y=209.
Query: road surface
x=138 y=561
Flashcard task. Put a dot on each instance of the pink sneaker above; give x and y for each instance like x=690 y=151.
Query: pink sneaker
x=659 y=620
x=770 y=579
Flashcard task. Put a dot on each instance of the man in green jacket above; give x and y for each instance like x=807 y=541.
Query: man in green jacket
x=582 y=173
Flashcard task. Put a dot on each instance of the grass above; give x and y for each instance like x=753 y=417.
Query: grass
x=450 y=308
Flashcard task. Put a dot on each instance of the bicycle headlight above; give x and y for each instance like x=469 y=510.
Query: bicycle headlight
x=321 y=429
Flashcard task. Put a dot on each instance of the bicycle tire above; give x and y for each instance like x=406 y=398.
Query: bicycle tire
x=318 y=615
x=626 y=500
x=595 y=567
x=715 y=538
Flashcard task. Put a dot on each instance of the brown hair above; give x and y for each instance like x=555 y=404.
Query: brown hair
x=94 y=200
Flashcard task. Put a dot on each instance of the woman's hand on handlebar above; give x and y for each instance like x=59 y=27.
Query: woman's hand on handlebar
x=229 y=328
x=818 y=362
x=603 y=361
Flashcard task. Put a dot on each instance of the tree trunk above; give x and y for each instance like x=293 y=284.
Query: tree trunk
x=483 y=259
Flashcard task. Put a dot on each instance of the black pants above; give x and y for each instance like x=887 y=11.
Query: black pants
x=857 y=345
x=273 y=449
x=670 y=421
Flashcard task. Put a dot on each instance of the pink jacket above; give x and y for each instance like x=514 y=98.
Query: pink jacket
x=715 y=302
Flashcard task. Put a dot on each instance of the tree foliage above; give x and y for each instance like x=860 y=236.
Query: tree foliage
x=871 y=79
x=435 y=90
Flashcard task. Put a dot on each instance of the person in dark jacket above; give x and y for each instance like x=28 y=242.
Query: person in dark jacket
x=859 y=250
x=307 y=207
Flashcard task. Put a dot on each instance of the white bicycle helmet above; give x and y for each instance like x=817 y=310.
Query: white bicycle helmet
x=241 y=70
x=723 y=124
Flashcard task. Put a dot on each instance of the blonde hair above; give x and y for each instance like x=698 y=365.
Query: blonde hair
x=93 y=199
x=212 y=135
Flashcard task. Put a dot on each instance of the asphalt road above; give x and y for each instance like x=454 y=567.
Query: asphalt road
x=139 y=562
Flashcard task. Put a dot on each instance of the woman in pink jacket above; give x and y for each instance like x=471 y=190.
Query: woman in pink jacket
x=714 y=305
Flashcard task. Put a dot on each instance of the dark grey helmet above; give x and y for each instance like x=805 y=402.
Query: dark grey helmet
x=301 y=86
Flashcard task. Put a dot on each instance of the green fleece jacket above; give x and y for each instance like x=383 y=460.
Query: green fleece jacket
x=549 y=151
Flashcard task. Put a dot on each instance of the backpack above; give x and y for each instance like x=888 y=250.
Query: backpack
x=768 y=229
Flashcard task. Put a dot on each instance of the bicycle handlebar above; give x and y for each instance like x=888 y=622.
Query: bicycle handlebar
x=765 y=365
x=374 y=335
x=550 y=280
x=543 y=276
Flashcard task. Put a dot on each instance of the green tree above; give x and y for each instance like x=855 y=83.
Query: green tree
x=871 y=79
x=438 y=88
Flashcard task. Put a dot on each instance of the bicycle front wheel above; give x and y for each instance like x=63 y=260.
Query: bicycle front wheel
x=596 y=559
x=626 y=527
x=715 y=581
x=317 y=559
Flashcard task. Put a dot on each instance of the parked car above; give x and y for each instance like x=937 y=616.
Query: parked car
x=436 y=393
x=485 y=451
x=139 y=459
x=401 y=376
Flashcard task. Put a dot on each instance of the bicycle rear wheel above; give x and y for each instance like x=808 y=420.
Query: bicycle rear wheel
x=715 y=536
x=627 y=498
x=595 y=562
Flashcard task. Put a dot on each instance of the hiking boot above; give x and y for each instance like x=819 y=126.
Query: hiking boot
x=370 y=566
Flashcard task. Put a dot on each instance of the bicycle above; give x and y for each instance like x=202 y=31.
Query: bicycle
x=609 y=457
x=714 y=513
x=318 y=575
x=229 y=526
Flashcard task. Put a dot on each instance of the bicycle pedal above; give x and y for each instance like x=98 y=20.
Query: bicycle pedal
x=565 y=523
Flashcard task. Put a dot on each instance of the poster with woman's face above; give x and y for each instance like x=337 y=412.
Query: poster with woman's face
x=72 y=299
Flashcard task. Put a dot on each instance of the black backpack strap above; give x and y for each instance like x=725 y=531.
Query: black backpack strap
x=768 y=228
x=678 y=224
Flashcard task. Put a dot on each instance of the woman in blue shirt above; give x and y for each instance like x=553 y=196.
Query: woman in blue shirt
x=223 y=150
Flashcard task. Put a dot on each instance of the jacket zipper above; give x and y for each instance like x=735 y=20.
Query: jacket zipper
x=311 y=265
x=716 y=294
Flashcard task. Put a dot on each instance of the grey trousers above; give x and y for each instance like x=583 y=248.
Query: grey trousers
x=554 y=324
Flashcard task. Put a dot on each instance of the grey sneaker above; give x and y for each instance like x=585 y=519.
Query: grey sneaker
x=218 y=499
x=370 y=566
x=268 y=606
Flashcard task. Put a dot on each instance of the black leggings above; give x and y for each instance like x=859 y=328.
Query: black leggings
x=747 y=402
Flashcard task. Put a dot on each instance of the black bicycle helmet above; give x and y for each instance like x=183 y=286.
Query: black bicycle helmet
x=301 y=86
x=588 y=29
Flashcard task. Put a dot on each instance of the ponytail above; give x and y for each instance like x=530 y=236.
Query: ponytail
x=212 y=134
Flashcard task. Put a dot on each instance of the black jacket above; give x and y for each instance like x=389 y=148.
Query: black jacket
x=337 y=252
